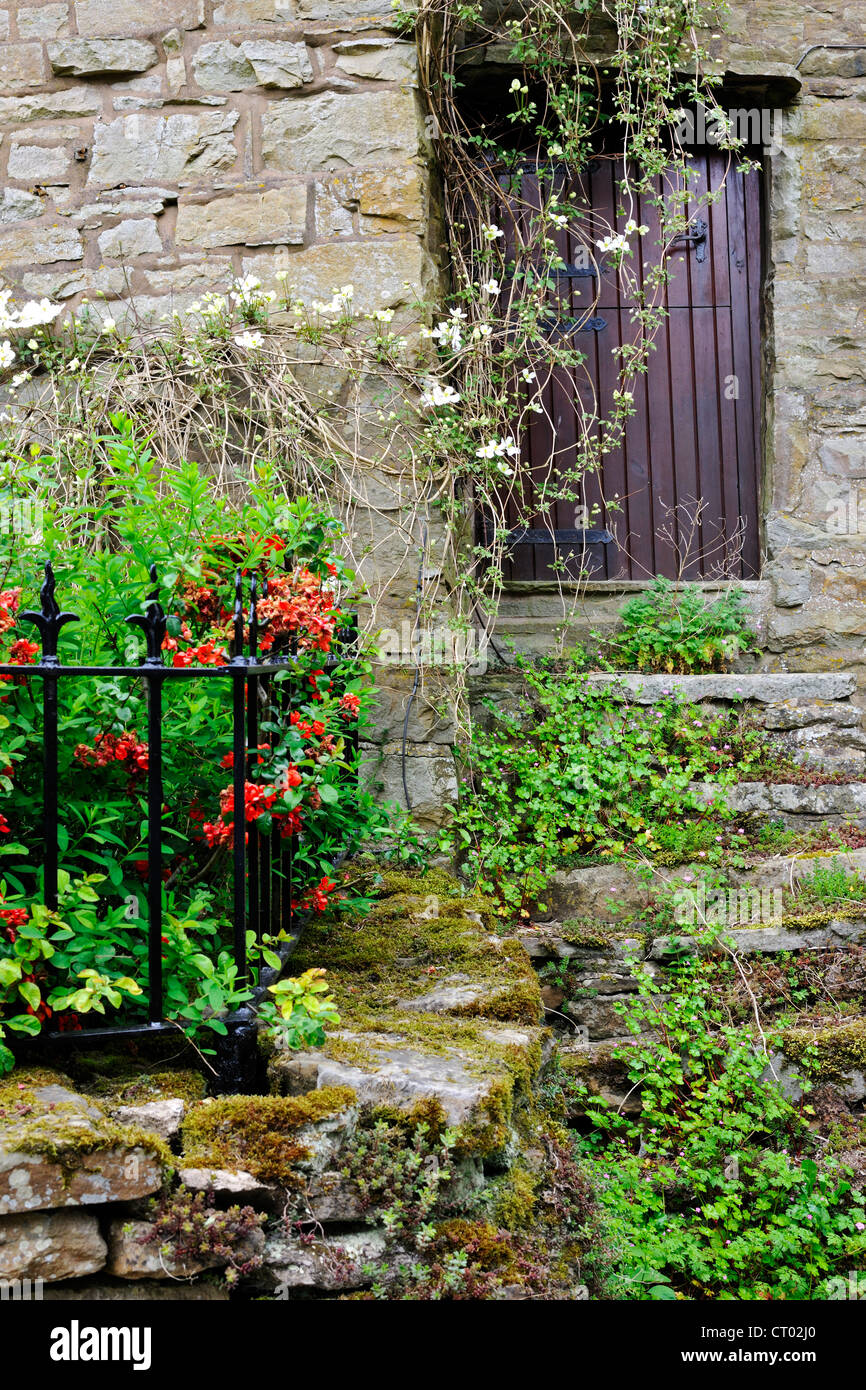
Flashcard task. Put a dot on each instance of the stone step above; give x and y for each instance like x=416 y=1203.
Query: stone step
x=810 y=713
x=610 y=892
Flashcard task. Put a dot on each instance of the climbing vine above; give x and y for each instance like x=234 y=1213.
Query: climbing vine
x=408 y=421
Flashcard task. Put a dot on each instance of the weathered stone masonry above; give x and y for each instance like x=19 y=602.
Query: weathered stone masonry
x=152 y=150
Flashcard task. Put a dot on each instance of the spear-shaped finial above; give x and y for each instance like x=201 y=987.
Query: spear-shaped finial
x=50 y=620
x=153 y=624
x=238 y=617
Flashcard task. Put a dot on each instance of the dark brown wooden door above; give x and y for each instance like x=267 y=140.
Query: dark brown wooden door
x=695 y=435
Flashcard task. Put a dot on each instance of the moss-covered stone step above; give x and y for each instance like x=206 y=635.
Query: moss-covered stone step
x=437 y=1009
x=61 y=1149
x=619 y=891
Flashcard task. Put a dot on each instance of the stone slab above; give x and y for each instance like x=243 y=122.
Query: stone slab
x=50 y=1245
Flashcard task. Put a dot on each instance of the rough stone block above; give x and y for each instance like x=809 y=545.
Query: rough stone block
x=335 y=131
x=181 y=147
x=228 y=67
x=43 y=21
x=82 y=57
x=380 y=272
x=134 y=236
x=72 y=101
x=37 y=164
x=59 y=1150
x=40 y=245
x=50 y=1245
x=399 y=1073
x=361 y=13
x=130 y=1258
x=239 y=1187
x=21 y=66
x=263 y=217
x=386 y=60
x=160 y=1117
x=16 y=205
x=334 y=1263
x=237 y=13
x=97 y=18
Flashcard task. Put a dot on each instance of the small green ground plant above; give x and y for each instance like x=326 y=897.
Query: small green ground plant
x=579 y=770
x=715 y=1190
x=676 y=628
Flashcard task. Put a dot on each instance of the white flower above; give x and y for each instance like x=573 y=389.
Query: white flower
x=515 y=86
x=559 y=219
x=7 y=355
x=345 y=292
x=614 y=243
x=74 y=365
x=481 y=330
x=281 y=275
x=38 y=312
x=437 y=395
x=491 y=287
x=448 y=332
x=528 y=375
x=109 y=325
x=382 y=315
x=20 y=377
x=497 y=448
x=631 y=227
x=251 y=341
x=490 y=231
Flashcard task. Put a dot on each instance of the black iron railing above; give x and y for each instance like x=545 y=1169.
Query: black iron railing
x=264 y=881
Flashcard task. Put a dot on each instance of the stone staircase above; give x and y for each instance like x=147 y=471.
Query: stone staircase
x=533 y=614
x=597 y=919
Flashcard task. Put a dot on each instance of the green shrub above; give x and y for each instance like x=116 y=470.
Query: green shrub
x=676 y=628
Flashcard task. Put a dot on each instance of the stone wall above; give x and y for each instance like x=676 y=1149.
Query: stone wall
x=153 y=150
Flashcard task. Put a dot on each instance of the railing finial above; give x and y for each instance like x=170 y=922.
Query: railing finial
x=153 y=623
x=50 y=619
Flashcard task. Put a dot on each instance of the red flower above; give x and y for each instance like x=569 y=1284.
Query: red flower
x=4 y=826
x=350 y=703
x=22 y=652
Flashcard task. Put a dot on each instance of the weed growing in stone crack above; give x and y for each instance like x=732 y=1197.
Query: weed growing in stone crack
x=199 y=1233
x=400 y=1176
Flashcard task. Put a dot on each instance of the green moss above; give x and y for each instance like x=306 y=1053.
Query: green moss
x=65 y=1131
x=580 y=931
x=147 y=1086
x=485 y=1246
x=830 y=1050
x=429 y=1112
x=515 y=1203
x=259 y=1134
x=421 y=931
